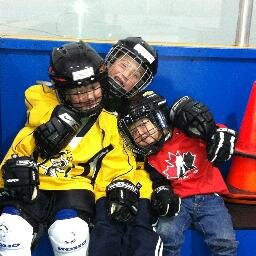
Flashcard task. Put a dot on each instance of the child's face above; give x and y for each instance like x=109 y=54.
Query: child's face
x=144 y=132
x=126 y=72
x=85 y=97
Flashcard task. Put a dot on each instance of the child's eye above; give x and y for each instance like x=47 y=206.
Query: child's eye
x=136 y=76
x=95 y=86
x=124 y=64
x=134 y=132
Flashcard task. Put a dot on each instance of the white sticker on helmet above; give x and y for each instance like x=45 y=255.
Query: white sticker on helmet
x=144 y=52
x=82 y=74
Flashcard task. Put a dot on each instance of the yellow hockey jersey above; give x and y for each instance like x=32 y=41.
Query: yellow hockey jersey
x=98 y=157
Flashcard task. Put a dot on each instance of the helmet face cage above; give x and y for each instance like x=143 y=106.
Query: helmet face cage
x=144 y=131
x=116 y=54
x=74 y=71
x=85 y=99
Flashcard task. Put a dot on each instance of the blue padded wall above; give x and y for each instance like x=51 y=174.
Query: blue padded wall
x=220 y=77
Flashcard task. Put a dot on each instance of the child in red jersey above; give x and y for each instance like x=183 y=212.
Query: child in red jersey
x=185 y=150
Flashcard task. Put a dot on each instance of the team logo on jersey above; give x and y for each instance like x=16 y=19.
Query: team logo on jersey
x=59 y=165
x=179 y=166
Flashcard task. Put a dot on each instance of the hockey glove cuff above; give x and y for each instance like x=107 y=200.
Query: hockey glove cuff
x=123 y=200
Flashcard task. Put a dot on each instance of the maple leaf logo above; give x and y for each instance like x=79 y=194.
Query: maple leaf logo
x=179 y=165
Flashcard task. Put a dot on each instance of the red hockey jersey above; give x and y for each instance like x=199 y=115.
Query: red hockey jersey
x=183 y=160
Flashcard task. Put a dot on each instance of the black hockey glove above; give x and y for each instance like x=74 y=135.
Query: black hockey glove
x=54 y=135
x=220 y=147
x=21 y=180
x=193 y=118
x=123 y=197
x=165 y=202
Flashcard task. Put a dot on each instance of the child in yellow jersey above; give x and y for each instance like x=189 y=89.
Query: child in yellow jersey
x=45 y=174
x=123 y=223
x=107 y=159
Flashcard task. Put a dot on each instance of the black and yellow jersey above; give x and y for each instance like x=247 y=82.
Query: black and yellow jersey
x=94 y=157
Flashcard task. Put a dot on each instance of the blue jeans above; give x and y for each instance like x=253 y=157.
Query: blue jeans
x=207 y=214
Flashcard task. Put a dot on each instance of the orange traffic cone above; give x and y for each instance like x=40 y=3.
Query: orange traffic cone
x=241 y=179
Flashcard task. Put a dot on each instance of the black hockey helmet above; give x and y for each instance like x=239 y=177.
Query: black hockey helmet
x=145 y=106
x=144 y=54
x=75 y=66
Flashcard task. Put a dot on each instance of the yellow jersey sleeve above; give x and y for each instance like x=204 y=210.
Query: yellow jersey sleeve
x=142 y=177
x=119 y=163
x=40 y=101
